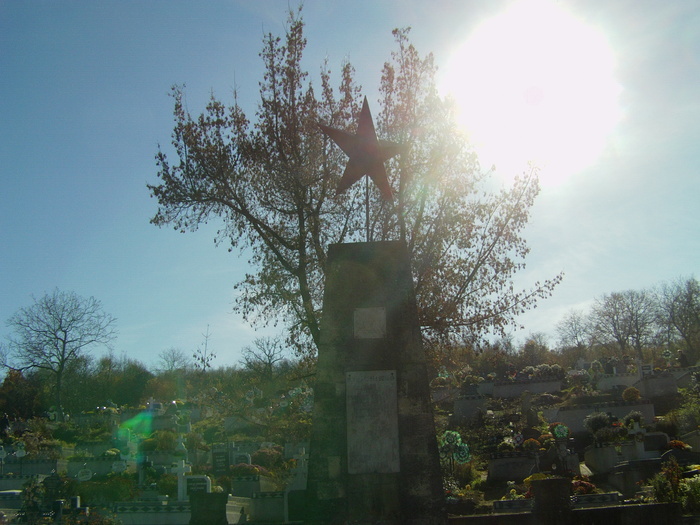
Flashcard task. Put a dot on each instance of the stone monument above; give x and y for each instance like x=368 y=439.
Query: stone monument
x=373 y=454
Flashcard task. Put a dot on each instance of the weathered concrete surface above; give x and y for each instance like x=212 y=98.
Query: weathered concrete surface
x=370 y=326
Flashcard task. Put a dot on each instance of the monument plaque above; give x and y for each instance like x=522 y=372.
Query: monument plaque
x=198 y=484
x=373 y=425
x=369 y=323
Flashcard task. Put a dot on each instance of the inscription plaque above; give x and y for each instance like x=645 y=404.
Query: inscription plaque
x=370 y=323
x=372 y=422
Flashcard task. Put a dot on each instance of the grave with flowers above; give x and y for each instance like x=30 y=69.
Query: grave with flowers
x=520 y=456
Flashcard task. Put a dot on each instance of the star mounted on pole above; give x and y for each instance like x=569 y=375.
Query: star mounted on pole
x=366 y=153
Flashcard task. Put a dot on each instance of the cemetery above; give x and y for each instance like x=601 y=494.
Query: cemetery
x=377 y=433
x=607 y=458
x=380 y=430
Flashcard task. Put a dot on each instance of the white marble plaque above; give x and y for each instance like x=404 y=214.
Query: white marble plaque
x=370 y=323
x=373 y=422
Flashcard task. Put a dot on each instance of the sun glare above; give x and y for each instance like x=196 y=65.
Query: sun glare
x=535 y=84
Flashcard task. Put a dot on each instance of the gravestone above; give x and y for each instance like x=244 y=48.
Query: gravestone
x=181 y=469
x=220 y=459
x=197 y=485
x=373 y=455
x=208 y=508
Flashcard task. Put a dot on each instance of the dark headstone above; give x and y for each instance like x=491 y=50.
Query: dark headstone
x=552 y=500
x=220 y=459
x=655 y=441
x=208 y=508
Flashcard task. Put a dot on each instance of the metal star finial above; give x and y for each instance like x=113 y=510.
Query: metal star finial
x=367 y=153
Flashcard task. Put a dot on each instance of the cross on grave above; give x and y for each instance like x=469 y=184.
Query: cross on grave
x=300 y=471
x=181 y=469
x=301 y=458
x=637 y=430
x=180 y=448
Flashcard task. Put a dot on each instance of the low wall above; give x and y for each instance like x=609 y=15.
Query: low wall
x=610 y=381
x=14 y=482
x=656 y=513
x=11 y=499
x=247 y=486
x=602 y=459
x=657 y=385
x=516 y=466
x=140 y=513
x=98 y=466
x=30 y=467
x=269 y=507
x=515 y=389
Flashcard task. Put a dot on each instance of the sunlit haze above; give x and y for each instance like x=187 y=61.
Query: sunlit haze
x=534 y=83
x=84 y=105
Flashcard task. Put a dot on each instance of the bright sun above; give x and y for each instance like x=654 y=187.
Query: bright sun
x=535 y=84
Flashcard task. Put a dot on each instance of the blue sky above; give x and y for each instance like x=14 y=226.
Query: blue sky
x=84 y=104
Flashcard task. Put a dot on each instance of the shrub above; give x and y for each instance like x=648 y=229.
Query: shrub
x=666 y=485
x=558 y=371
x=505 y=446
x=269 y=458
x=166 y=440
x=531 y=445
x=668 y=424
x=465 y=473
x=610 y=434
x=596 y=421
x=634 y=415
x=167 y=484
x=691 y=495
x=631 y=394
x=244 y=469
x=106 y=491
x=543 y=370
x=148 y=445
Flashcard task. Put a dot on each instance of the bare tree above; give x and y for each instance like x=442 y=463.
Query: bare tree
x=264 y=357
x=203 y=356
x=574 y=330
x=173 y=359
x=679 y=307
x=627 y=319
x=55 y=331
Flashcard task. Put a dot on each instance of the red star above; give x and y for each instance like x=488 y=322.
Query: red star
x=367 y=154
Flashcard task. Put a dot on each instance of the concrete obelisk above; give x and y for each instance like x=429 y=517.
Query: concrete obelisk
x=373 y=455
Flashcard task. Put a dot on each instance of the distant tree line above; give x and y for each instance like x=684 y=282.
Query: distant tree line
x=92 y=384
x=49 y=367
x=645 y=324
x=659 y=326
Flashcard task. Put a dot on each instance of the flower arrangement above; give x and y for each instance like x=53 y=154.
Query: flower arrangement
x=677 y=444
x=581 y=485
x=531 y=445
x=546 y=440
